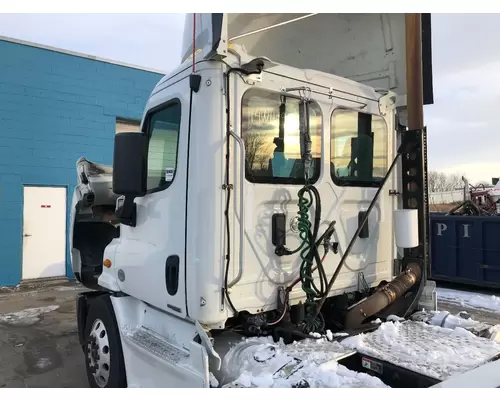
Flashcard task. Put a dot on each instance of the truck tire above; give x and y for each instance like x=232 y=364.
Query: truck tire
x=102 y=346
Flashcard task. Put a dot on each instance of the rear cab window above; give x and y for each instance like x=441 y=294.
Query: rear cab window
x=358 y=148
x=269 y=158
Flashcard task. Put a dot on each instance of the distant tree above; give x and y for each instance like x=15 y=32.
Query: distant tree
x=442 y=182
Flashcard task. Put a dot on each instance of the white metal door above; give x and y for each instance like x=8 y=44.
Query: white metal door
x=44 y=232
x=151 y=254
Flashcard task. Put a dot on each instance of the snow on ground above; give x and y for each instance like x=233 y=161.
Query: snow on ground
x=68 y=288
x=28 y=316
x=43 y=363
x=469 y=299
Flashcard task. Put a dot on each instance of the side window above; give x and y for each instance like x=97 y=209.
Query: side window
x=358 y=148
x=163 y=129
x=269 y=158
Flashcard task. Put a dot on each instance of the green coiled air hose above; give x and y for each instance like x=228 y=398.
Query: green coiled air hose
x=309 y=253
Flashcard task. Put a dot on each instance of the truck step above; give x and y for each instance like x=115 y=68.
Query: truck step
x=152 y=342
x=428 y=350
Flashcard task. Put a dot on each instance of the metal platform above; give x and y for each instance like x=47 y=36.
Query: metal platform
x=432 y=351
x=398 y=354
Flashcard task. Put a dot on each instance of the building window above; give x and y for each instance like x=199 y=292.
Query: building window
x=358 y=148
x=269 y=158
x=163 y=127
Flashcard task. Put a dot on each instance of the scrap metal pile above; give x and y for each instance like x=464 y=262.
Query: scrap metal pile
x=478 y=201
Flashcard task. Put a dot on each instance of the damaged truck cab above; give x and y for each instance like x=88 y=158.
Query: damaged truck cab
x=273 y=191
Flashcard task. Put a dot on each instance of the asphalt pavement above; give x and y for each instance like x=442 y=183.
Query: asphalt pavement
x=39 y=340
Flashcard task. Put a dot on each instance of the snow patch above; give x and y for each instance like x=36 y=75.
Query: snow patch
x=458 y=331
x=28 y=316
x=426 y=349
x=43 y=362
x=394 y=318
x=469 y=300
x=259 y=362
x=67 y=288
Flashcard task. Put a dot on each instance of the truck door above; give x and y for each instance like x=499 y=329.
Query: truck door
x=151 y=254
x=360 y=154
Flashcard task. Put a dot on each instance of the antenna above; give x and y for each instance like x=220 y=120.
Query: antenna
x=194 y=41
x=194 y=80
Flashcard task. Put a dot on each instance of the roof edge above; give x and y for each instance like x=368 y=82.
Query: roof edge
x=77 y=54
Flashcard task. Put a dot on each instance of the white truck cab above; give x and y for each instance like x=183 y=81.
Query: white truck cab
x=257 y=200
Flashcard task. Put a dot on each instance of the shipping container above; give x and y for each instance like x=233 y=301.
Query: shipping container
x=465 y=249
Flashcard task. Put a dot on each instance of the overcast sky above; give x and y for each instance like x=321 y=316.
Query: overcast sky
x=461 y=124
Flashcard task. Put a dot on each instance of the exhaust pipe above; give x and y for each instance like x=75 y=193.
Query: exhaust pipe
x=384 y=296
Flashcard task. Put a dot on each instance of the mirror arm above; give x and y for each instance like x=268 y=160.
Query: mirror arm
x=127 y=212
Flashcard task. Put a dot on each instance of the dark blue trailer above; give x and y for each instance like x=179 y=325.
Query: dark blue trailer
x=465 y=249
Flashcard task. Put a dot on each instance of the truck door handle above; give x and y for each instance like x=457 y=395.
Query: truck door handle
x=26 y=235
x=172 y=274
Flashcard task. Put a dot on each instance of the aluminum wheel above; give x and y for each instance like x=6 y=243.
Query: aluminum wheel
x=98 y=353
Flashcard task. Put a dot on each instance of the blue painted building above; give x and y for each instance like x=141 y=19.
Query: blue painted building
x=55 y=106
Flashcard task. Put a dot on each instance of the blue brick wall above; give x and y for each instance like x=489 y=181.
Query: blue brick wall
x=55 y=108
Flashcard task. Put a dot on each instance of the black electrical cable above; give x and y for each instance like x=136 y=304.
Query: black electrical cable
x=356 y=234
x=225 y=289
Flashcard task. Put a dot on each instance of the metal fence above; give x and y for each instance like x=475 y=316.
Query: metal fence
x=452 y=196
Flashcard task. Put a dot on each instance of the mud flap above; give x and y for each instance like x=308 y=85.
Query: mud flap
x=209 y=348
x=83 y=302
x=81 y=316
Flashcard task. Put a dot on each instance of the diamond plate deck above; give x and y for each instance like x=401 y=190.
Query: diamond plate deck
x=432 y=351
x=321 y=350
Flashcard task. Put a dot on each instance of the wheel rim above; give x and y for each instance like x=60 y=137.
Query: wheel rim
x=98 y=353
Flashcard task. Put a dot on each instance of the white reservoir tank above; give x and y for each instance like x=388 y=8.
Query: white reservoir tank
x=406 y=228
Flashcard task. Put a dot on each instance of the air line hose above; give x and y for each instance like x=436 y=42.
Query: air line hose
x=308 y=196
x=308 y=234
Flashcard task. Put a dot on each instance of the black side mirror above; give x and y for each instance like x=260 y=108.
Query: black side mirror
x=130 y=164
x=130 y=171
x=494 y=181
